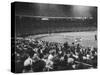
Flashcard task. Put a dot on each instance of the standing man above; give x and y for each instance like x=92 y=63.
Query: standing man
x=95 y=37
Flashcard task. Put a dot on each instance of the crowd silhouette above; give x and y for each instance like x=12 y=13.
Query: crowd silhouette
x=40 y=56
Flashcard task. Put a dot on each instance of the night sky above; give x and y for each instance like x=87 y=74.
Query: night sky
x=54 y=10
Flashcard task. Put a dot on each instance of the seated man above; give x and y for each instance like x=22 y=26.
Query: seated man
x=27 y=64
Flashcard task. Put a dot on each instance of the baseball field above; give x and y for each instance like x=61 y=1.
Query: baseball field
x=86 y=38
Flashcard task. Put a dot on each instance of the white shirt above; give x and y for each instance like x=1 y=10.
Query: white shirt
x=50 y=57
x=28 y=61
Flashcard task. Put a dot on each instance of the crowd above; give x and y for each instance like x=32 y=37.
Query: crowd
x=40 y=56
